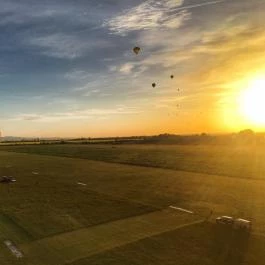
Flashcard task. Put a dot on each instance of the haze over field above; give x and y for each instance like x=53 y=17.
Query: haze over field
x=67 y=67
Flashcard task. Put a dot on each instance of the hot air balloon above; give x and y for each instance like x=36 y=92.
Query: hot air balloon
x=154 y=85
x=136 y=50
x=172 y=76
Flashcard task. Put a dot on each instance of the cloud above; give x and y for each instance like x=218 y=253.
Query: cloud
x=60 y=45
x=19 y=13
x=30 y=117
x=76 y=115
x=91 y=92
x=229 y=50
x=92 y=82
x=126 y=68
x=148 y=65
x=22 y=12
x=102 y=95
x=112 y=68
x=167 y=59
x=148 y=15
x=152 y=14
x=230 y=56
x=78 y=75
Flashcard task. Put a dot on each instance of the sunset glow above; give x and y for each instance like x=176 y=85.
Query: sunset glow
x=80 y=77
x=252 y=102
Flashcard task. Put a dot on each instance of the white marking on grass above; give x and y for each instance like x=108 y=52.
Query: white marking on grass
x=181 y=209
x=35 y=173
x=82 y=184
x=13 y=249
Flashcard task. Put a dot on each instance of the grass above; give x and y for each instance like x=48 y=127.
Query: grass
x=201 y=244
x=86 y=242
x=7 y=259
x=50 y=204
x=10 y=229
x=234 y=161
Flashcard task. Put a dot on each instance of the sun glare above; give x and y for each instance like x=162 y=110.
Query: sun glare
x=252 y=102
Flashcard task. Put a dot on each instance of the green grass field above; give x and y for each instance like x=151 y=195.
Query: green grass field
x=38 y=209
x=201 y=244
x=234 y=161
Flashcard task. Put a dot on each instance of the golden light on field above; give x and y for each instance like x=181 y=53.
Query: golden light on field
x=252 y=102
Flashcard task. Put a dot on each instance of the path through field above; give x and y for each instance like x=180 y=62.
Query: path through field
x=71 y=246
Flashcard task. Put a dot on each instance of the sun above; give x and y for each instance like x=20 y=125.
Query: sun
x=252 y=102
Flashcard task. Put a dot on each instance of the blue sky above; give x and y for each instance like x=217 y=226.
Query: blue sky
x=67 y=67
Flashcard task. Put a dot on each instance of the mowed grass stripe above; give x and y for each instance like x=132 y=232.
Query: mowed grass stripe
x=9 y=229
x=82 y=243
x=199 y=244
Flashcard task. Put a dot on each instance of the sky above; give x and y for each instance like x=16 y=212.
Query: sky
x=67 y=68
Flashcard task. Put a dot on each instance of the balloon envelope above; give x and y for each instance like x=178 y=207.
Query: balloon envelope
x=136 y=50
x=154 y=84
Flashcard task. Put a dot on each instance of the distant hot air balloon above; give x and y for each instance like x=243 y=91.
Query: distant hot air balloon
x=172 y=76
x=136 y=50
x=154 y=85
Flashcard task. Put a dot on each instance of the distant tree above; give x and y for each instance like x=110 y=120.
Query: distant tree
x=246 y=132
x=246 y=136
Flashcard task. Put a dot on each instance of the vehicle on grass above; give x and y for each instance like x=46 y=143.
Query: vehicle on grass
x=225 y=220
x=240 y=223
x=7 y=179
x=237 y=223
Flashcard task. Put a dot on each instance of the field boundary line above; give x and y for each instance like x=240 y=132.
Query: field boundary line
x=180 y=209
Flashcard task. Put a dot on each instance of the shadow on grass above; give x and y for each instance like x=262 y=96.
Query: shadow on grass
x=229 y=246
